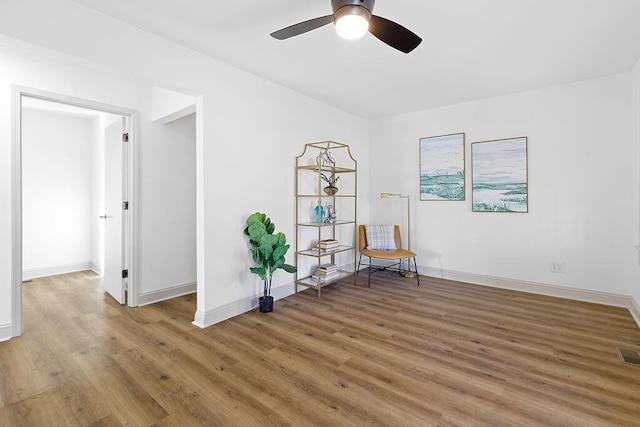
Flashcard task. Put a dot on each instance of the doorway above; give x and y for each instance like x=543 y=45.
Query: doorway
x=119 y=215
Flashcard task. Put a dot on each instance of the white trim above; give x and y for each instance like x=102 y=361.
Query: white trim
x=34 y=273
x=189 y=109
x=201 y=215
x=167 y=293
x=634 y=309
x=235 y=308
x=616 y=300
x=133 y=284
x=16 y=214
x=96 y=268
x=6 y=332
x=16 y=196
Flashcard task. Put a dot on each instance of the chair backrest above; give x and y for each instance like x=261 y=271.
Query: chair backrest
x=362 y=237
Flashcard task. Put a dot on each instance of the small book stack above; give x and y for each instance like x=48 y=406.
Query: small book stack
x=328 y=244
x=326 y=272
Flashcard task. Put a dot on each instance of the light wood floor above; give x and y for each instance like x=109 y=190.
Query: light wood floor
x=443 y=354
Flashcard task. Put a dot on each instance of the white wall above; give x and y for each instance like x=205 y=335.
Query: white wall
x=56 y=202
x=583 y=188
x=172 y=187
x=251 y=130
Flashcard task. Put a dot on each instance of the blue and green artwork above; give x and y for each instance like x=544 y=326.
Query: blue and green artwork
x=499 y=175
x=442 y=167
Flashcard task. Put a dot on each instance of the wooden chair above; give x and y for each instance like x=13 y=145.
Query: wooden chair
x=394 y=255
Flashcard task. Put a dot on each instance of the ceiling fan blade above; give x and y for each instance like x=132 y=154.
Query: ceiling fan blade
x=302 y=27
x=395 y=35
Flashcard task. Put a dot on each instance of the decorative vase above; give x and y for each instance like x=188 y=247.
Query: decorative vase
x=330 y=190
x=266 y=304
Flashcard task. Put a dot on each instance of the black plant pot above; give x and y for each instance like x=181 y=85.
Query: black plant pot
x=266 y=304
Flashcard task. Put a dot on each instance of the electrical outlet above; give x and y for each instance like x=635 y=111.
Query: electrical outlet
x=556 y=266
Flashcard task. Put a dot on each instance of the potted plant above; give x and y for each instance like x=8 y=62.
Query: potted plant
x=330 y=189
x=268 y=251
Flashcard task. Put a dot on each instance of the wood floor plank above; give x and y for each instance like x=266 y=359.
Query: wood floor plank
x=442 y=354
x=164 y=384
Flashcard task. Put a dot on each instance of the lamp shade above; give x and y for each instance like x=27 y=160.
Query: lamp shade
x=352 y=22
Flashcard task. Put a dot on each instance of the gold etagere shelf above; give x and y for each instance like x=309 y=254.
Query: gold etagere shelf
x=322 y=165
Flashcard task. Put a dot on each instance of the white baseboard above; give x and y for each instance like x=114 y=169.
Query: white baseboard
x=5 y=332
x=34 y=273
x=615 y=300
x=97 y=268
x=235 y=308
x=634 y=309
x=227 y=311
x=166 y=293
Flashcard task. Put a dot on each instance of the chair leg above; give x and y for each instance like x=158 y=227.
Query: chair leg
x=415 y=264
x=359 y=261
x=369 y=276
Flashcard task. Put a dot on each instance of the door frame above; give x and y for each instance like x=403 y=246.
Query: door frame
x=131 y=167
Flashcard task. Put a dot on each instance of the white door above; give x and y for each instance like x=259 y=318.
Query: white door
x=115 y=223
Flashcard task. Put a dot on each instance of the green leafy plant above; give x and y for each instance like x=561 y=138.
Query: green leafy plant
x=268 y=249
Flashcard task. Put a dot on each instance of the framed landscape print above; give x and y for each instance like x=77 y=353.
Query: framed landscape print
x=499 y=175
x=442 y=167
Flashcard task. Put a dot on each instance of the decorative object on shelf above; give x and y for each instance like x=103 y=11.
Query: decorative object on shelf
x=268 y=251
x=330 y=189
x=408 y=274
x=325 y=158
x=328 y=244
x=330 y=214
x=442 y=172
x=319 y=213
x=326 y=272
x=499 y=175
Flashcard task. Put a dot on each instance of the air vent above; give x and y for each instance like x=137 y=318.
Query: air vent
x=629 y=356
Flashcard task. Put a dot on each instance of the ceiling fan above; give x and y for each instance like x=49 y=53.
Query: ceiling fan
x=353 y=18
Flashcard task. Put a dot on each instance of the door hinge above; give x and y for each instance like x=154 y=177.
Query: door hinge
x=125 y=137
x=125 y=274
x=125 y=206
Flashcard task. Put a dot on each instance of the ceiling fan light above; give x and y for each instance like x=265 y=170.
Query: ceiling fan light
x=352 y=22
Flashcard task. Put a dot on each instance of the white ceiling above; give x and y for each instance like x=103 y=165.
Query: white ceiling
x=471 y=49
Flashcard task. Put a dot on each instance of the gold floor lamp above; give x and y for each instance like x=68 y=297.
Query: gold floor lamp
x=408 y=274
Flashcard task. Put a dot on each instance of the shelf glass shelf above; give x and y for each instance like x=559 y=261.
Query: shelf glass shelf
x=325 y=224
x=315 y=283
x=326 y=168
x=315 y=196
x=315 y=252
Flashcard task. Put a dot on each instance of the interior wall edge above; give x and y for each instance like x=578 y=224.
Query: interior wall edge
x=235 y=308
x=596 y=297
x=96 y=268
x=152 y=297
x=6 y=332
x=54 y=270
x=634 y=309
